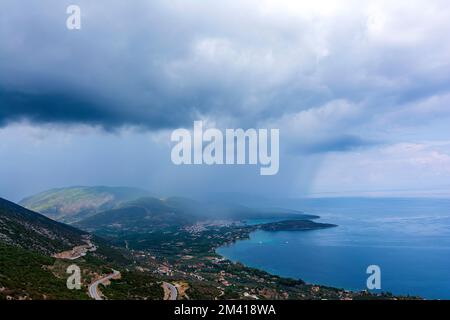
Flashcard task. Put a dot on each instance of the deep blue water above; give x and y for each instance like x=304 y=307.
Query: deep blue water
x=408 y=238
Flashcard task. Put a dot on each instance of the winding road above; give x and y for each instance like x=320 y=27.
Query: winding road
x=171 y=290
x=93 y=287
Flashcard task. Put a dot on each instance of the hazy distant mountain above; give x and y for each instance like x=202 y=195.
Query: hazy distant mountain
x=75 y=203
x=151 y=213
x=143 y=213
x=29 y=230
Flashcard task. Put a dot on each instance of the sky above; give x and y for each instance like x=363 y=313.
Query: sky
x=360 y=91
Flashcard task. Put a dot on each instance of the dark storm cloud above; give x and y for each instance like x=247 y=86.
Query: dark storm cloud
x=106 y=74
x=70 y=107
x=339 y=143
x=49 y=107
x=159 y=64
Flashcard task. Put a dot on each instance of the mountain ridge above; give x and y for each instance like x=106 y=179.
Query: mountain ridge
x=149 y=213
x=33 y=231
x=70 y=204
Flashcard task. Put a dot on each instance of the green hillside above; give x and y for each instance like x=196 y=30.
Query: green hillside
x=28 y=271
x=138 y=215
x=74 y=203
x=27 y=275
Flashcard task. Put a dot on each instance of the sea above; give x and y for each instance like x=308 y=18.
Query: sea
x=409 y=239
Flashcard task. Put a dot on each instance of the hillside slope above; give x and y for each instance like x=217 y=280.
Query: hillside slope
x=75 y=203
x=143 y=214
x=29 y=230
x=27 y=275
x=29 y=268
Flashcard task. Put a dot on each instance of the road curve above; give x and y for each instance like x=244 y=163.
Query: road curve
x=93 y=287
x=173 y=293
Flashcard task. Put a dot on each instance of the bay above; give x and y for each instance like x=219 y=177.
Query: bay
x=408 y=238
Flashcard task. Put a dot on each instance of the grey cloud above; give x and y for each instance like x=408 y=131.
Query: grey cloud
x=160 y=65
x=323 y=75
x=74 y=108
x=338 y=143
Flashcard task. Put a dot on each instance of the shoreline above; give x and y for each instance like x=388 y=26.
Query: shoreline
x=365 y=293
x=256 y=229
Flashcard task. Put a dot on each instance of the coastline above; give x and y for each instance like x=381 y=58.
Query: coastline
x=348 y=294
x=252 y=228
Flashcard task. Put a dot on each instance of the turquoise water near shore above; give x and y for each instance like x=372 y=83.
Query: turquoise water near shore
x=408 y=238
